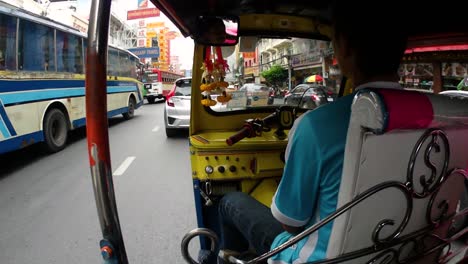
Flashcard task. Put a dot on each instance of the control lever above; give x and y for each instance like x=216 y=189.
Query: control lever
x=207 y=199
x=251 y=128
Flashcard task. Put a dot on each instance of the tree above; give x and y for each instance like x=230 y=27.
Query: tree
x=276 y=75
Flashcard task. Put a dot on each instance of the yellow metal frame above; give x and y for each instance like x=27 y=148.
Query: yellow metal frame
x=254 y=163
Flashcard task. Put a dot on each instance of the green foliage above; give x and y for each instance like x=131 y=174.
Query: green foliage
x=276 y=75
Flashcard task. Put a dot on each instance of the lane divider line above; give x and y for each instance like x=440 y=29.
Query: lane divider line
x=124 y=166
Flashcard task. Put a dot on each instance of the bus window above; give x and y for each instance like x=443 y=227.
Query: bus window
x=124 y=69
x=134 y=68
x=85 y=45
x=7 y=42
x=69 y=53
x=113 y=62
x=35 y=47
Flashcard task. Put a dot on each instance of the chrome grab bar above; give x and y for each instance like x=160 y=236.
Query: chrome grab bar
x=194 y=233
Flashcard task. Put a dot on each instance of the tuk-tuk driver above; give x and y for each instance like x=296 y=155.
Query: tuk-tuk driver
x=308 y=190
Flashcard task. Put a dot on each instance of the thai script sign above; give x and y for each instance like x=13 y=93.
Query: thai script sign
x=143 y=13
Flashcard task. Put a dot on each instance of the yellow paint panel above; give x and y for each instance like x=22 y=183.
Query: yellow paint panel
x=265 y=191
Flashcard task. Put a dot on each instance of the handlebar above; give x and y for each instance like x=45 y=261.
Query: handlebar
x=282 y=119
x=246 y=131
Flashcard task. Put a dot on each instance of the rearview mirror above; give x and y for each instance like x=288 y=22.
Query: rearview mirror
x=217 y=31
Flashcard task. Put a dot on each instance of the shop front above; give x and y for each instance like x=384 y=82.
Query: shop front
x=436 y=68
x=304 y=65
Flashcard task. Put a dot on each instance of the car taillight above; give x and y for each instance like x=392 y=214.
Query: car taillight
x=314 y=97
x=169 y=101
x=329 y=93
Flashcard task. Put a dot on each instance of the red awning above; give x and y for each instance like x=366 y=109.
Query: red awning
x=438 y=48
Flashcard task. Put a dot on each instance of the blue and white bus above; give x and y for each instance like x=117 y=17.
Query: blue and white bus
x=42 y=81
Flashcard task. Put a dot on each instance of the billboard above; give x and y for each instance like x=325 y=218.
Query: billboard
x=145 y=52
x=143 y=13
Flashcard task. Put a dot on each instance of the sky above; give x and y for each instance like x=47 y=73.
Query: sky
x=182 y=47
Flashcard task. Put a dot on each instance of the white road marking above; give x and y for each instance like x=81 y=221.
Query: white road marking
x=124 y=166
x=155 y=129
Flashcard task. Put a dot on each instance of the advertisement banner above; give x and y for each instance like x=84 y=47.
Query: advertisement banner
x=145 y=52
x=143 y=13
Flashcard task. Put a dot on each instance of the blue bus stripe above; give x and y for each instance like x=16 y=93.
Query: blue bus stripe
x=23 y=85
x=82 y=121
x=3 y=129
x=28 y=96
x=6 y=121
x=20 y=141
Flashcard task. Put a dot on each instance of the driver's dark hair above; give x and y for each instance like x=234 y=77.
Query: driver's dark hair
x=374 y=30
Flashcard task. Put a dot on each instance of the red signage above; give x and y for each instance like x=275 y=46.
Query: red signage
x=142 y=13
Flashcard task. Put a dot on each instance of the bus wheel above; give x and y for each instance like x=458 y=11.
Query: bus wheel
x=131 y=109
x=55 y=130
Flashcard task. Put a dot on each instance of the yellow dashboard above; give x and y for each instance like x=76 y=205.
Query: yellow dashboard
x=251 y=158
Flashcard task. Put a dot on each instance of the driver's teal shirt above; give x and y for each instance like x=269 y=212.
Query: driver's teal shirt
x=308 y=191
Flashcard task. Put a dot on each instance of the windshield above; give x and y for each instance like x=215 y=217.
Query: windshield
x=262 y=72
x=150 y=77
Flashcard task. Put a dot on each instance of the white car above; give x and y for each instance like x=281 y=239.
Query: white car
x=177 y=107
x=455 y=93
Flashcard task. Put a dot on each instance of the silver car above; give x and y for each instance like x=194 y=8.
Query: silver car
x=177 y=107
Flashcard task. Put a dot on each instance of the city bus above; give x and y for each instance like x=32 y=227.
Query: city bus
x=158 y=83
x=42 y=81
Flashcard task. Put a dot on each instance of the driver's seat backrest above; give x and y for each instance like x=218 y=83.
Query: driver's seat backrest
x=386 y=127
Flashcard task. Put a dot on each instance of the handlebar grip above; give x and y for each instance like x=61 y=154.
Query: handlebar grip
x=246 y=131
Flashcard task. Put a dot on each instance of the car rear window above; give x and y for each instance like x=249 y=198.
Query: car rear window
x=183 y=87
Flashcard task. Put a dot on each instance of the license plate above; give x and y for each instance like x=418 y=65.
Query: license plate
x=330 y=99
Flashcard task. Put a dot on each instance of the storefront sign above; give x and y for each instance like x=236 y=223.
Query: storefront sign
x=142 y=13
x=251 y=71
x=81 y=25
x=306 y=59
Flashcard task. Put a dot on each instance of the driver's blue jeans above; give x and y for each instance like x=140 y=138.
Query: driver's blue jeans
x=246 y=223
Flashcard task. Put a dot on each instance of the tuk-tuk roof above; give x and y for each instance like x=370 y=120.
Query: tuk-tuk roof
x=424 y=20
